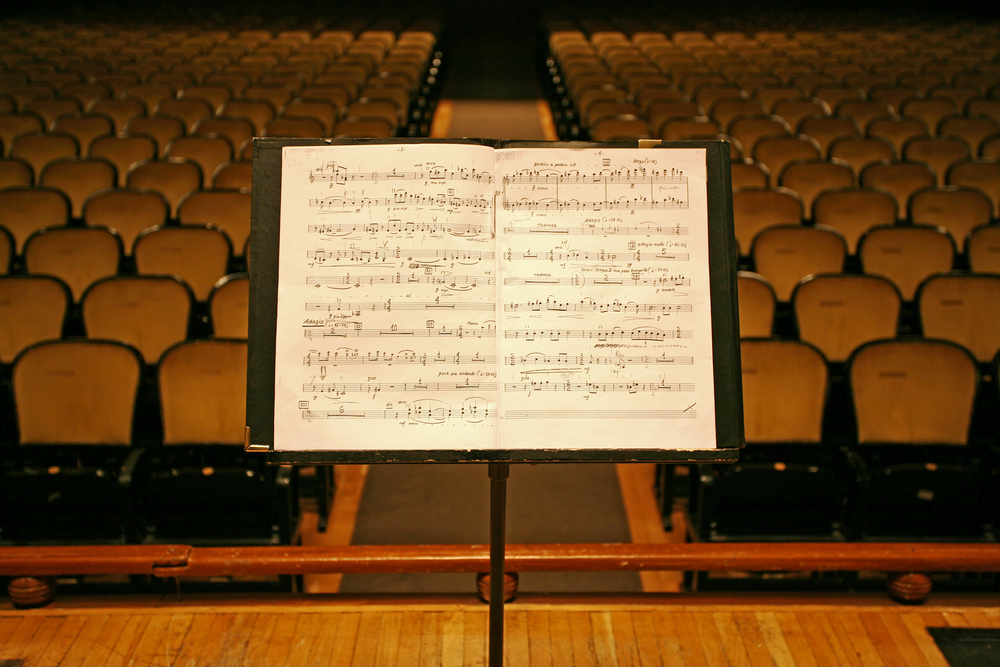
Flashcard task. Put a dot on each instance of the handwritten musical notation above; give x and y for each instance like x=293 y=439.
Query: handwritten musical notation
x=581 y=280
x=643 y=228
x=590 y=306
x=563 y=359
x=599 y=387
x=311 y=331
x=618 y=204
x=599 y=334
x=455 y=282
x=388 y=306
x=436 y=283
x=637 y=175
x=597 y=256
x=393 y=227
x=399 y=198
x=359 y=255
x=355 y=358
x=338 y=174
x=427 y=411
x=340 y=388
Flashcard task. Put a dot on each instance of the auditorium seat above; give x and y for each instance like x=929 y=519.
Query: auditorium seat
x=235 y=174
x=33 y=309
x=788 y=484
x=376 y=128
x=860 y=152
x=123 y=151
x=906 y=255
x=929 y=110
x=127 y=212
x=199 y=255
x=748 y=174
x=775 y=152
x=40 y=149
x=795 y=110
x=838 y=313
x=68 y=480
x=76 y=255
x=78 y=178
x=755 y=210
x=938 y=152
x=150 y=313
x=119 y=110
x=207 y=151
x=258 y=112
x=172 y=177
x=302 y=127
x=200 y=486
x=852 y=212
x=229 y=210
x=84 y=127
x=810 y=177
x=964 y=309
x=229 y=305
x=982 y=248
x=826 y=129
x=236 y=130
x=24 y=211
x=756 y=304
x=786 y=254
x=15 y=173
x=162 y=129
x=956 y=209
x=981 y=174
x=897 y=130
x=990 y=147
x=913 y=401
x=6 y=251
x=750 y=129
x=972 y=129
x=900 y=179
x=189 y=111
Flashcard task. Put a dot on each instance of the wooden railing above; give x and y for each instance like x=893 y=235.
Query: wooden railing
x=32 y=565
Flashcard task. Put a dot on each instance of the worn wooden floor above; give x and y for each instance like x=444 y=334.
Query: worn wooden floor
x=857 y=630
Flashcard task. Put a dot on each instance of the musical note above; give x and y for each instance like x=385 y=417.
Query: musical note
x=399 y=198
x=566 y=360
x=639 y=175
x=619 y=204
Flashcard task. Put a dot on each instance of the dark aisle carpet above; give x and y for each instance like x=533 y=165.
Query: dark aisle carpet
x=449 y=504
x=968 y=647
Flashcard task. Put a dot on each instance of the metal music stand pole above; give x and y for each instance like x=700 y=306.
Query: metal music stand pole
x=498 y=536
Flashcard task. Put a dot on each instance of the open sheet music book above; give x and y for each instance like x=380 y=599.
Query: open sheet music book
x=457 y=296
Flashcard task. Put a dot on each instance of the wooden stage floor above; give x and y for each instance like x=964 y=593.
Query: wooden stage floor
x=863 y=630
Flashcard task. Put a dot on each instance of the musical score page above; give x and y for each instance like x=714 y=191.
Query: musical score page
x=606 y=320
x=458 y=297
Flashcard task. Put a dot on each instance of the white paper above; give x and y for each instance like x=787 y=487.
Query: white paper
x=457 y=297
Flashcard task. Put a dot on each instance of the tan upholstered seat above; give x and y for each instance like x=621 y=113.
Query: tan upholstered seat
x=24 y=211
x=78 y=179
x=198 y=255
x=123 y=151
x=954 y=208
x=77 y=255
x=784 y=391
x=757 y=305
x=811 y=177
x=964 y=309
x=38 y=305
x=150 y=313
x=76 y=393
x=229 y=210
x=852 y=212
x=839 y=313
x=173 y=178
x=755 y=210
x=229 y=305
x=786 y=254
x=982 y=174
x=906 y=255
x=913 y=392
x=900 y=179
x=203 y=393
x=983 y=249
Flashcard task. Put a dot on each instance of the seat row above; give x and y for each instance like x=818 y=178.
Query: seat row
x=910 y=471
x=309 y=82
x=79 y=470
